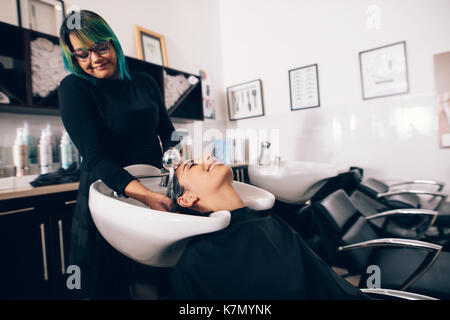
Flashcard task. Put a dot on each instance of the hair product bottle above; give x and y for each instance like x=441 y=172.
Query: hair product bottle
x=20 y=154
x=45 y=152
x=31 y=143
x=53 y=143
x=66 y=150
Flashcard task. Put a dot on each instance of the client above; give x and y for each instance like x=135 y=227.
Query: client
x=258 y=256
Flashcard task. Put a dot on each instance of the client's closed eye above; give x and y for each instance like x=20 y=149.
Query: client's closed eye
x=193 y=164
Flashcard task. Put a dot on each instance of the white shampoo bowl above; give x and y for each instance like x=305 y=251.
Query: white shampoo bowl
x=152 y=237
x=292 y=182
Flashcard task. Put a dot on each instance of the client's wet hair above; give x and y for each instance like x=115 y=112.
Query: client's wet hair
x=177 y=188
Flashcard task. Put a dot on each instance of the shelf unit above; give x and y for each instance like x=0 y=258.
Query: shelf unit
x=16 y=78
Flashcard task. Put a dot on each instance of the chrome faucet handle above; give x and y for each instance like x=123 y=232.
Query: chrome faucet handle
x=265 y=144
x=170 y=161
x=277 y=161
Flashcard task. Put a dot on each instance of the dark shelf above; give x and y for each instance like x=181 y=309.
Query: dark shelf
x=28 y=109
x=181 y=99
x=188 y=107
x=190 y=104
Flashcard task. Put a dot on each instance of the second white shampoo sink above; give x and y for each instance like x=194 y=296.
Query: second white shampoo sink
x=152 y=237
x=292 y=182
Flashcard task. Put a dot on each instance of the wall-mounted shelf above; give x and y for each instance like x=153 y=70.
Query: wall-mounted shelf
x=189 y=105
x=16 y=78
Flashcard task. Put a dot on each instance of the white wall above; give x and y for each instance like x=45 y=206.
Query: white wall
x=236 y=41
x=393 y=137
x=192 y=34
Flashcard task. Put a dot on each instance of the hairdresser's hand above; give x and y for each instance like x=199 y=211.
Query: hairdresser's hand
x=159 y=201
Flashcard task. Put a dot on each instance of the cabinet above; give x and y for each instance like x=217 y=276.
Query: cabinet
x=19 y=93
x=34 y=239
x=240 y=172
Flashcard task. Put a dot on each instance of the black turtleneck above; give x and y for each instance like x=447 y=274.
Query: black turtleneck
x=115 y=123
x=258 y=256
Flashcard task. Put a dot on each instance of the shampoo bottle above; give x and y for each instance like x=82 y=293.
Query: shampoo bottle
x=66 y=150
x=45 y=152
x=31 y=143
x=20 y=154
x=53 y=143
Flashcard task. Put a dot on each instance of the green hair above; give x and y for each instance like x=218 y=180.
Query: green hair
x=91 y=28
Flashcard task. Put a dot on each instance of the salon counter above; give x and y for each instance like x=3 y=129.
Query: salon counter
x=19 y=187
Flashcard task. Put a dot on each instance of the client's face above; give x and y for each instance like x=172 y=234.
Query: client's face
x=205 y=177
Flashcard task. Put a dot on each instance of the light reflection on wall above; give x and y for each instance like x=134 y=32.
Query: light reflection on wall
x=413 y=121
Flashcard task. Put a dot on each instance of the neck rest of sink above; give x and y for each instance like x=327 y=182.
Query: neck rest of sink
x=152 y=237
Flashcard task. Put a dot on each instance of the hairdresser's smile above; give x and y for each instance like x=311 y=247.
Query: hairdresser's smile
x=101 y=67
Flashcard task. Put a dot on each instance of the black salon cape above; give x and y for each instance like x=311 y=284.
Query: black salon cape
x=258 y=256
x=113 y=124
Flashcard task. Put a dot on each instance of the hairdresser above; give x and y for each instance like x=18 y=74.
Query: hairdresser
x=115 y=118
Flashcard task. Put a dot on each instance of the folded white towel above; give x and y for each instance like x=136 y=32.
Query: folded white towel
x=47 y=66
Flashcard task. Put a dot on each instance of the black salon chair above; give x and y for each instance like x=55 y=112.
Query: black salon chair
x=303 y=221
x=398 y=196
x=351 y=242
x=418 y=224
x=348 y=181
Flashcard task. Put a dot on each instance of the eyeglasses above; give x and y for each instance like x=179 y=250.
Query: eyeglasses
x=84 y=55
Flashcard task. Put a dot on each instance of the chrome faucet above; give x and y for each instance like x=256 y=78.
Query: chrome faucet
x=263 y=158
x=170 y=161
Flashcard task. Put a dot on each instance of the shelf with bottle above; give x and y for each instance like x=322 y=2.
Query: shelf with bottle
x=43 y=155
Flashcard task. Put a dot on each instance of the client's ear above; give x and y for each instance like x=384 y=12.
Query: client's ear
x=187 y=200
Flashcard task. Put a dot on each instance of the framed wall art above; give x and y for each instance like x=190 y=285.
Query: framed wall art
x=45 y=16
x=384 y=71
x=151 y=46
x=245 y=100
x=9 y=12
x=304 y=87
x=442 y=90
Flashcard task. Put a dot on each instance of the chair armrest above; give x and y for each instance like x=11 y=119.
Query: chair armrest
x=401 y=212
x=430 y=182
x=434 y=249
x=440 y=185
x=397 y=294
x=432 y=193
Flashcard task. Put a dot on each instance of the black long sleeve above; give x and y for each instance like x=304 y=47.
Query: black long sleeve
x=114 y=124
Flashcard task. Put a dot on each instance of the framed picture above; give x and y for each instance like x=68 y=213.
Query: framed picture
x=384 y=71
x=442 y=91
x=151 y=46
x=245 y=100
x=45 y=16
x=9 y=12
x=304 y=87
